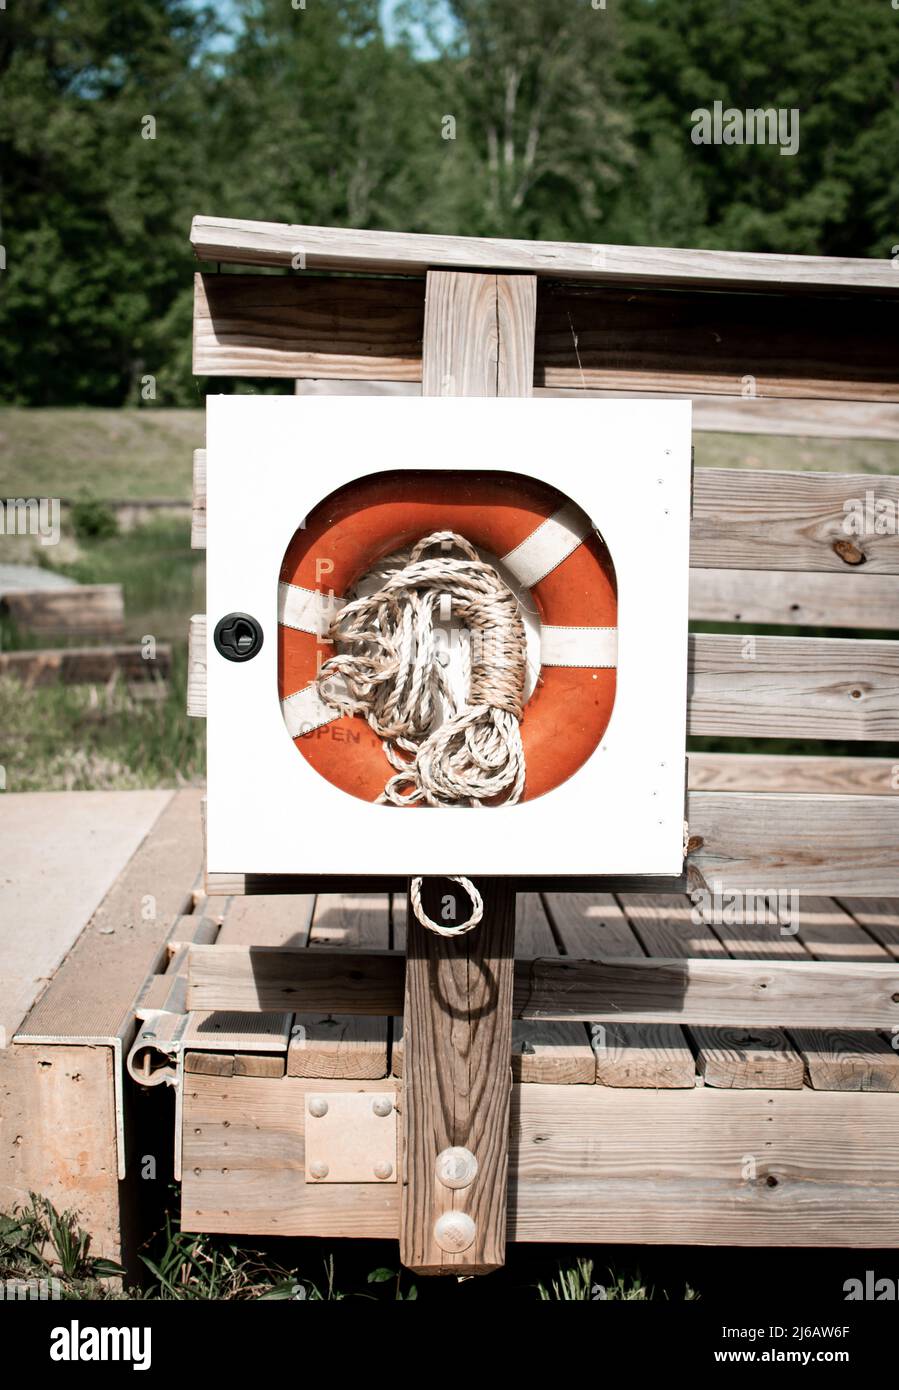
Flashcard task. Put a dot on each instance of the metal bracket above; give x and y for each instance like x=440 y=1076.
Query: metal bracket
x=351 y=1137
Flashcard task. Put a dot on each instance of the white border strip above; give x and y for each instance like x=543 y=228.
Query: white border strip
x=306 y=711
x=307 y=610
x=544 y=549
x=579 y=646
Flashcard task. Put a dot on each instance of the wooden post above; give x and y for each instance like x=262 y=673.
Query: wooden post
x=457 y=1034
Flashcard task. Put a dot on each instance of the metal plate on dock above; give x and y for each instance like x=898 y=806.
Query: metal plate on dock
x=351 y=1137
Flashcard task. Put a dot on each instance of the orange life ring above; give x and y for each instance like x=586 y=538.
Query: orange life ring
x=541 y=536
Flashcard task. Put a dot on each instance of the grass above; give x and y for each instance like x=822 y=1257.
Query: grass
x=37 y=1241
x=114 y=454
x=84 y=738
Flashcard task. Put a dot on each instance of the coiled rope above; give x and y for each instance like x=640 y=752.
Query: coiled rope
x=390 y=669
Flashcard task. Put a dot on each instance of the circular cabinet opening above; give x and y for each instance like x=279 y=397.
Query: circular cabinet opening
x=447 y=638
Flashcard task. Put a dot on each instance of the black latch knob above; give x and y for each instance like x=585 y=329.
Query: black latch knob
x=237 y=636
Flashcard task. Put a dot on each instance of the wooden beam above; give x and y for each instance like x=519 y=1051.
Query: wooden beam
x=244 y=242
x=478 y=341
x=710 y=992
x=294 y=326
x=648 y=340
x=587 y=1164
x=85 y=665
x=198 y=506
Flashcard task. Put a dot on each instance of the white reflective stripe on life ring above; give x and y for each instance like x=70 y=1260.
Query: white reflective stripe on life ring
x=578 y=646
x=306 y=711
x=307 y=610
x=544 y=549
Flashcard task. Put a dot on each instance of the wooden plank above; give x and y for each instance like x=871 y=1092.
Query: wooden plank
x=294 y=326
x=791 y=521
x=754 y=1168
x=96 y=610
x=257 y=1064
x=587 y=1164
x=343 y=1045
x=245 y=242
x=198 y=506
x=59 y=1137
x=810 y=844
x=778 y=772
x=220 y=1030
x=86 y=665
x=267 y=921
x=732 y=1057
x=793 y=599
x=718 y=414
x=652 y=340
x=705 y=992
x=208 y=1064
x=802 y=687
x=457 y=1083
x=478 y=340
x=651 y=1055
x=196 y=667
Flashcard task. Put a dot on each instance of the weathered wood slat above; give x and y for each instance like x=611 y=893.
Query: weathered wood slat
x=196 y=666
x=653 y=340
x=879 y=918
x=266 y=325
x=243 y=242
x=777 y=772
x=198 y=508
x=96 y=610
x=793 y=687
x=343 y=1045
x=719 y=414
x=731 y=1057
x=789 y=598
x=650 y=1055
x=86 y=665
x=810 y=844
x=478 y=340
x=792 y=521
x=587 y=1164
x=706 y=992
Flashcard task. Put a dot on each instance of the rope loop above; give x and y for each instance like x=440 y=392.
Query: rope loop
x=477 y=907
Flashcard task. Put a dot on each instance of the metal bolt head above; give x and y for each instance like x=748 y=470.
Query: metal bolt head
x=383 y=1170
x=318 y=1170
x=318 y=1106
x=382 y=1106
x=454 y=1231
x=456 y=1167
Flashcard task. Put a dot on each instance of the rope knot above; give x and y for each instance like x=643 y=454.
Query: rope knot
x=390 y=670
